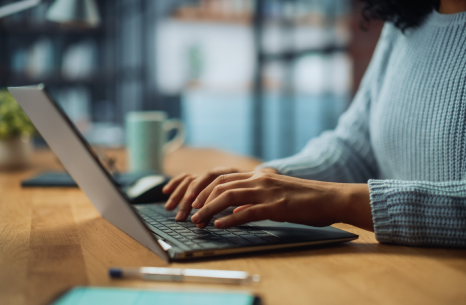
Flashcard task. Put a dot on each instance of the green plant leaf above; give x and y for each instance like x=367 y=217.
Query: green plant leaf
x=13 y=121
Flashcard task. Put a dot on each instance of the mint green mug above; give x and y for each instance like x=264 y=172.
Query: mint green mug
x=147 y=139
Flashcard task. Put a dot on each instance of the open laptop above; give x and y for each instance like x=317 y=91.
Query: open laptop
x=150 y=224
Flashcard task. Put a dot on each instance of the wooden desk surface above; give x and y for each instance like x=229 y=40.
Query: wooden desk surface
x=53 y=239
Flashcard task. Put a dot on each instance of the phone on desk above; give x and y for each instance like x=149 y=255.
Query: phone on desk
x=126 y=296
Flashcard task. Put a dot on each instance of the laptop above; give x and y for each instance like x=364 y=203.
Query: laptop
x=150 y=224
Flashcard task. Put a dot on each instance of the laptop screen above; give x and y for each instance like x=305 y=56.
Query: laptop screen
x=82 y=164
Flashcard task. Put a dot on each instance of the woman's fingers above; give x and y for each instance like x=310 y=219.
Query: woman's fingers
x=178 y=193
x=232 y=197
x=172 y=184
x=183 y=211
x=252 y=213
x=199 y=184
x=238 y=209
x=204 y=195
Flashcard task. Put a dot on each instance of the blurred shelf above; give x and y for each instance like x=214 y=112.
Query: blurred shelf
x=58 y=80
x=27 y=28
x=292 y=55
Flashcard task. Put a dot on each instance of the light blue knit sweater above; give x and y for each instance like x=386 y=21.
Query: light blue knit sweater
x=404 y=135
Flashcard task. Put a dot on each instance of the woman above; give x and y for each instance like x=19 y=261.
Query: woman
x=395 y=164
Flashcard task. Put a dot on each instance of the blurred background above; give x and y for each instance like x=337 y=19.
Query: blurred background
x=253 y=77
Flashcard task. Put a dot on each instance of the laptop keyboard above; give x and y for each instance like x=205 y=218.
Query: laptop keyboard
x=208 y=238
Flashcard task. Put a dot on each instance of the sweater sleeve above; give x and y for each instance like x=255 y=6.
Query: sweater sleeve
x=419 y=213
x=344 y=154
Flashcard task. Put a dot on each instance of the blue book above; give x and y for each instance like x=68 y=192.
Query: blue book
x=124 y=296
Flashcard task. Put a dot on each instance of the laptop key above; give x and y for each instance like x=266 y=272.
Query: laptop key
x=204 y=238
x=174 y=225
x=204 y=232
x=215 y=230
x=223 y=233
x=186 y=224
x=241 y=233
x=234 y=230
x=227 y=235
x=182 y=229
x=198 y=230
x=189 y=234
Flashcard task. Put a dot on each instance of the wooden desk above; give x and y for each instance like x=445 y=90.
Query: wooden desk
x=53 y=239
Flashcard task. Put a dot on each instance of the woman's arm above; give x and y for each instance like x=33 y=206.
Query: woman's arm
x=414 y=213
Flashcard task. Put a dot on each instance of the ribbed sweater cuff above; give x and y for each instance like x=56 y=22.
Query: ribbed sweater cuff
x=380 y=216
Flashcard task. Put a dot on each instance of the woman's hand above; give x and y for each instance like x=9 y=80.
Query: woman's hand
x=185 y=188
x=261 y=195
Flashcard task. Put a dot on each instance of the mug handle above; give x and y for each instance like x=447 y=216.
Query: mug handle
x=178 y=140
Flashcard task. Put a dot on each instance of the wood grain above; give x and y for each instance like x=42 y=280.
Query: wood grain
x=53 y=239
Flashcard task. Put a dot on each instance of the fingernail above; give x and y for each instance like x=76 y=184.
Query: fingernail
x=168 y=204
x=218 y=224
x=195 y=218
x=181 y=216
x=195 y=203
x=202 y=225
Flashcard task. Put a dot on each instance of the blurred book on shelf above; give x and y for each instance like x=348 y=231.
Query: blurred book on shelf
x=239 y=11
x=79 y=60
x=36 y=61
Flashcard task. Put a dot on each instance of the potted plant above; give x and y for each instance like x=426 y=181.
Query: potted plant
x=16 y=131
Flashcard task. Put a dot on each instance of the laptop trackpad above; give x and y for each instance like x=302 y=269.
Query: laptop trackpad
x=297 y=232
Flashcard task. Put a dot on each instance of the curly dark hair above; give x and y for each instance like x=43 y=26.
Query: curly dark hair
x=403 y=14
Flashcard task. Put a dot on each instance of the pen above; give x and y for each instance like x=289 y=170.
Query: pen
x=185 y=275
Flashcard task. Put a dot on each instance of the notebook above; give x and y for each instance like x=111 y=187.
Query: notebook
x=123 y=296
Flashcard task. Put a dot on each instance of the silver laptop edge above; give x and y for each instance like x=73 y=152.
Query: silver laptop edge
x=78 y=159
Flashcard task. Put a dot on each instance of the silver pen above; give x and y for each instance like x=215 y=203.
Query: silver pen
x=185 y=275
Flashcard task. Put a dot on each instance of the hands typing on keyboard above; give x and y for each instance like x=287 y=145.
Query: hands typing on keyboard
x=190 y=236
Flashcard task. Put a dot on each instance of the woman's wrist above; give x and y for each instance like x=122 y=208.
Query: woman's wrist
x=356 y=206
